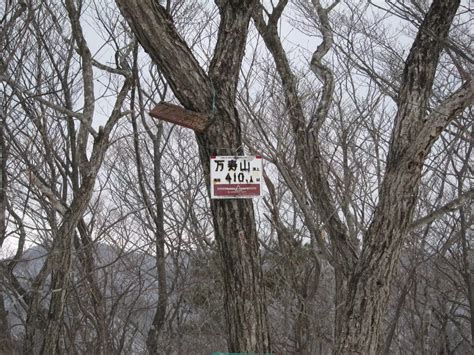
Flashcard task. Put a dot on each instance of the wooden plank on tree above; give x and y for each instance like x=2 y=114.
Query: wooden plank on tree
x=180 y=116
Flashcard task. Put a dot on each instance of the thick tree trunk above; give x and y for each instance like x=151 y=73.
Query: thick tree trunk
x=385 y=346
x=237 y=240
x=214 y=94
x=243 y=280
x=368 y=277
x=340 y=291
x=369 y=284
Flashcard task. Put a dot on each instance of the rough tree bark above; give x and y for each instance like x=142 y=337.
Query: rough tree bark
x=214 y=94
x=413 y=135
x=366 y=278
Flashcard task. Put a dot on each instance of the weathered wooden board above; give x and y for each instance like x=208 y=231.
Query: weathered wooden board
x=180 y=116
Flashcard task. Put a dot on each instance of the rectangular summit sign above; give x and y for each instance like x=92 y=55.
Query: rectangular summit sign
x=236 y=176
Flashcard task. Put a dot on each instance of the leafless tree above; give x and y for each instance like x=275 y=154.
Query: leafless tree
x=361 y=243
x=363 y=275
x=214 y=93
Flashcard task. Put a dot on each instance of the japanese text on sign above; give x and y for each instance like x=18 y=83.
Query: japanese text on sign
x=236 y=176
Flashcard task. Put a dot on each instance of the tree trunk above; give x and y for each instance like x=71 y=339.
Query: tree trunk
x=158 y=217
x=468 y=268
x=6 y=345
x=84 y=249
x=385 y=347
x=237 y=241
x=214 y=94
x=368 y=277
x=59 y=260
x=369 y=284
x=152 y=341
x=5 y=340
x=3 y=179
x=340 y=291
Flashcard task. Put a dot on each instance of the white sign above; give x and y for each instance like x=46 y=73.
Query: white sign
x=236 y=176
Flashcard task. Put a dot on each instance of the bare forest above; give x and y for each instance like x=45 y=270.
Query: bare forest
x=362 y=241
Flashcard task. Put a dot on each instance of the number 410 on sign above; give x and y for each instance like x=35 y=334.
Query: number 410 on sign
x=236 y=176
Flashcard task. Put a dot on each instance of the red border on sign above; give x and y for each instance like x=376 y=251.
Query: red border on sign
x=236 y=190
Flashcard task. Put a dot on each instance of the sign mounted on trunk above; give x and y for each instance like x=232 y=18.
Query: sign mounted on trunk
x=236 y=176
